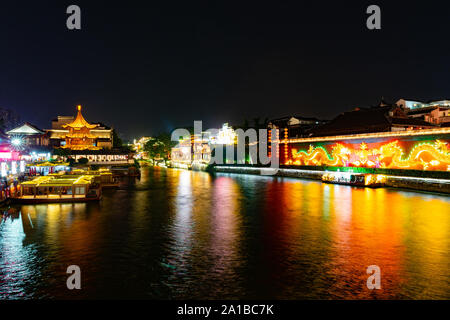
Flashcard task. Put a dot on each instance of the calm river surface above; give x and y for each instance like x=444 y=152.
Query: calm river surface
x=178 y=234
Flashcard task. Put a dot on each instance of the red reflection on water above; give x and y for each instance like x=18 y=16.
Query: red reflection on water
x=344 y=230
x=225 y=235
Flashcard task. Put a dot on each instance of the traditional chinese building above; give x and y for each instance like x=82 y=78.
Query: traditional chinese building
x=28 y=136
x=295 y=126
x=78 y=134
x=383 y=118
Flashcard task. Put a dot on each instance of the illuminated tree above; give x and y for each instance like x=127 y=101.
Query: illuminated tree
x=159 y=147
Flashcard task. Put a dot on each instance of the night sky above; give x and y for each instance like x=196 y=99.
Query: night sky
x=148 y=67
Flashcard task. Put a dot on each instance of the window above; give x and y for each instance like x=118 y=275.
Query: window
x=79 y=190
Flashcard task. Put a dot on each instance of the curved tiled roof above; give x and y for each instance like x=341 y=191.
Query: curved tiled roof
x=364 y=120
x=80 y=122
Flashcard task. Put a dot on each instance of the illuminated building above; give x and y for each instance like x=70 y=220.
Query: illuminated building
x=31 y=142
x=181 y=154
x=11 y=162
x=225 y=136
x=439 y=115
x=383 y=118
x=28 y=136
x=79 y=136
x=436 y=112
x=411 y=104
x=138 y=147
x=99 y=157
x=415 y=104
x=8 y=154
x=201 y=148
x=295 y=126
x=204 y=146
x=75 y=133
x=192 y=151
x=197 y=149
x=84 y=140
x=47 y=167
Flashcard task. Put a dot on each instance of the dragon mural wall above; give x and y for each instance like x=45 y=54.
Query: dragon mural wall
x=421 y=154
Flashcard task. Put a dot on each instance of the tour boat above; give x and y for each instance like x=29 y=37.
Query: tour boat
x=59 y=188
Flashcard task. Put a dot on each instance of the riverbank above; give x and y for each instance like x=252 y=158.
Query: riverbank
x=393 y=181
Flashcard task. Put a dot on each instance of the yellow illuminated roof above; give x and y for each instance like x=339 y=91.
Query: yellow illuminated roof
x=80 y=147
x=58 y=181
x=99 y=172
x=79 y=136
x=48 y=164
x=80 y=122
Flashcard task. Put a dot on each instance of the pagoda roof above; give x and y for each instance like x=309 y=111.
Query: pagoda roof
x=80 y=122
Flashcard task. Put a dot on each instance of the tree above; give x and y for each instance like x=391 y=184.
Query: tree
x=61 y=152
x=71 y=161
x=83 y=161
x=256 y=122
x=117 y=142
x=159 y=147
x=246 y=125
x=8 y=119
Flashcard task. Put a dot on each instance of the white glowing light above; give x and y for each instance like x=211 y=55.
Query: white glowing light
x=5 y=155
x=3 y=169
x=226 y=136
x=16 y=142
x=14 y=167
x=22 y=166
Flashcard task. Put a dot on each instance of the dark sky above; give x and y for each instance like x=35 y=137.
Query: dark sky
x=147 y=67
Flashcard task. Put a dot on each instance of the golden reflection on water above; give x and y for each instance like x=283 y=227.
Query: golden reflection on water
x=184 y=234
x=348 y=229
x=183 y=216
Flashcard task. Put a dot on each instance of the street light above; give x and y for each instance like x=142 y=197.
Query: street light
x=16 y=142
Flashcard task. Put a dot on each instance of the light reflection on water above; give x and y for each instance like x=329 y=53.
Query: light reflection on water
x=183 y=234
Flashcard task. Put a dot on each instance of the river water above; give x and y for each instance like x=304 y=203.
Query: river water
x=178 y=234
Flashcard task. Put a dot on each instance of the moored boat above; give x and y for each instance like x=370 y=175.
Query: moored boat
x=59 y=188
x=354 y=179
